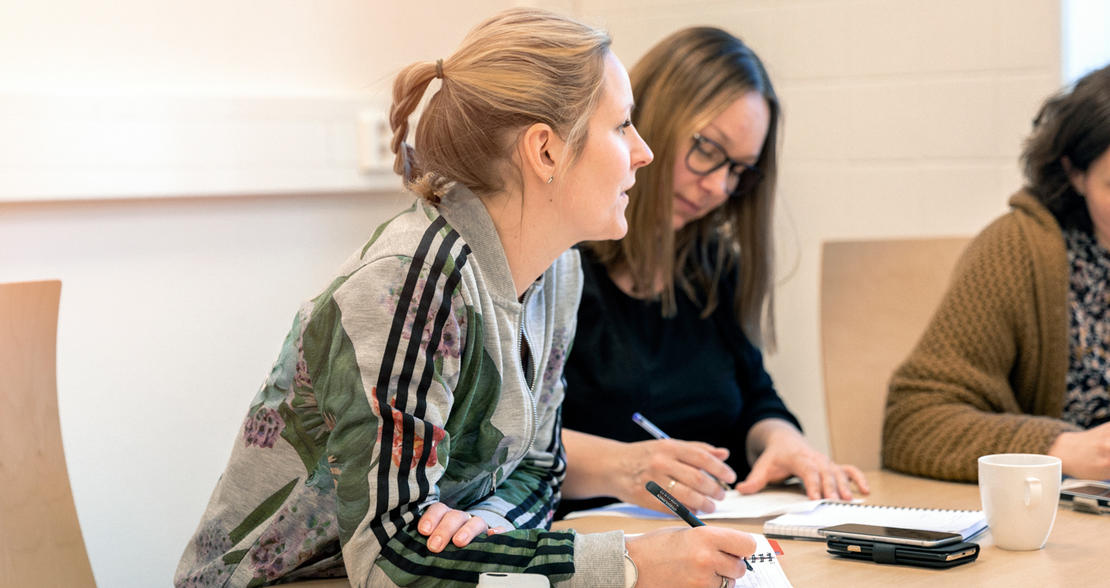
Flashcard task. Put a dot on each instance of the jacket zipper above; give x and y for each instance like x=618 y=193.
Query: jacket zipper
x=530 y=393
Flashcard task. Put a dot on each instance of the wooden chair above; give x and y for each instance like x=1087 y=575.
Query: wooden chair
x=876 y=299
x=40 y=537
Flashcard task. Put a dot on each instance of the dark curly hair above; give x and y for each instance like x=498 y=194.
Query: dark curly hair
x=1072 y=130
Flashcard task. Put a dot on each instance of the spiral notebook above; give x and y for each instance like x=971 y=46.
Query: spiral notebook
x=804 y=525
x=766 y=569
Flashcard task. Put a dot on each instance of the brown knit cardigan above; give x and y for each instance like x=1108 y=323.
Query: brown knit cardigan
x=988 y=375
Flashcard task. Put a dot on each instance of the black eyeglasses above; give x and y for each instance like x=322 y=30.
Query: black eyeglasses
x=707 y=156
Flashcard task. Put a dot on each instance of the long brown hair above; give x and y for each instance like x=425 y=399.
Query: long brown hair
x=1072 y=125
x=679 y=86
x=521 y=67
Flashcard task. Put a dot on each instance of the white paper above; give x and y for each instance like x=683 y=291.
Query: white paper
x=766 y=572
x=733 y=506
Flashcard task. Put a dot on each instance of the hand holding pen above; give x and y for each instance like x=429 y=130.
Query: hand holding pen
x=683 y=513
x=657 y=433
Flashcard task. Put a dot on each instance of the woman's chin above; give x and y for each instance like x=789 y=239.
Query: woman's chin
x=617 y=230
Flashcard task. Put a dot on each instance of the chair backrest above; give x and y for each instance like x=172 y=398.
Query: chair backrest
x=40 y=538
x=876 y=299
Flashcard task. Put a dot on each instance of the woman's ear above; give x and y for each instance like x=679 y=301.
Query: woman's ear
x=1076 y=177
x=541 y=151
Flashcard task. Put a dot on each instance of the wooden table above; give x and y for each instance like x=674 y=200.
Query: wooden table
x=1076 y=553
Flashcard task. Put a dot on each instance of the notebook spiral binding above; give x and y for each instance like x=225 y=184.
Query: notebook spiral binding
x=806 y=525
x=761 y=557
x=889 y=507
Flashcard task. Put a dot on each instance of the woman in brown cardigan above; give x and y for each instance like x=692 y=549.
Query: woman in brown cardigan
x=1017 y=356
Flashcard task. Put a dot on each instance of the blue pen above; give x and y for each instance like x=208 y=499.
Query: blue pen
x=649 y=426
x=658 y=433
x=676 y=507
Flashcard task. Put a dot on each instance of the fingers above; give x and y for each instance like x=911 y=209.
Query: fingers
x=690 y=497
x=811 y=481
x=692 y=486
x=857 y=476
x=756 y=480
x=449 y=524
x=733 y=543
x=836 y=481
x=731 y=547
x=431 y=517
x=843 y=486
x=694 y=466
x=704 y=456
x=829 y=488
x=720 y=453
x=473 y=527
x=720 y=553
x=442 y=524
x=701 y=556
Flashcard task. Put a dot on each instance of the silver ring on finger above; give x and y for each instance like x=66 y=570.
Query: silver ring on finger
x=724 y=582
x=670 y=486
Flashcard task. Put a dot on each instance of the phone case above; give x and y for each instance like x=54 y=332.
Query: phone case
x=512 y=580
x=943 y=556
x=1085 y=502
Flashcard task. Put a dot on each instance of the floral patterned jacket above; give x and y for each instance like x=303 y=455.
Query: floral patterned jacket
x=400 y=385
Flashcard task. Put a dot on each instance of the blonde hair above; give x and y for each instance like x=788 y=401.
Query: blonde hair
x=680 y=85
x=521 y=67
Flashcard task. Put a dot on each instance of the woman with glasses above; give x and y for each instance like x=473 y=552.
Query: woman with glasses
x=673 y=316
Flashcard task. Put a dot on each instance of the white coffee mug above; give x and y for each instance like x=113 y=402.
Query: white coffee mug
x=1020 y=492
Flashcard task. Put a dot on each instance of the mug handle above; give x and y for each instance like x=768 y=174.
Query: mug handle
x=1033 y=491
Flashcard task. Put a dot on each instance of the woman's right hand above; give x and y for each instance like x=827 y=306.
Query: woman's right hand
x=1084 y=454
x=696 y=558
x=685 y=463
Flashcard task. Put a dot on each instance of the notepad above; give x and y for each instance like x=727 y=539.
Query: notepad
x=804 y=525
x=766 y=571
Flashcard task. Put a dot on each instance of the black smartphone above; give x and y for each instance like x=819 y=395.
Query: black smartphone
x=1095 y=493
x=898 y=535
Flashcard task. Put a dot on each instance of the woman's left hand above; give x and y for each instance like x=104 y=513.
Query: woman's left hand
x=441 y=523
x=786 y=453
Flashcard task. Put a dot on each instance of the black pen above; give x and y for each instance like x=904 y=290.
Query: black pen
x=658 y=433
x=677 y=508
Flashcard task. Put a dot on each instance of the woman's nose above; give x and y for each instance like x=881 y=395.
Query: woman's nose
x=641 y=153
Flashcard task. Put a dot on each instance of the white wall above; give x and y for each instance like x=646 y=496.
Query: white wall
x=903 y=118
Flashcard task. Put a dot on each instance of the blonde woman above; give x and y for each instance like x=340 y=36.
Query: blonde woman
x=430 y=368
x=674 y=315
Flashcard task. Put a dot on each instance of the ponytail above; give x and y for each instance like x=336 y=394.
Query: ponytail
x=521 y=67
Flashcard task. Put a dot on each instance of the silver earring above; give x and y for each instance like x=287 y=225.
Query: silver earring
x=551 y=179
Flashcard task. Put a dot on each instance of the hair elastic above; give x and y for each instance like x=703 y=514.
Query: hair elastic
x=439 y=68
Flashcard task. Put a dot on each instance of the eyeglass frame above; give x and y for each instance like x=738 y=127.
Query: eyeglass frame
x=756 y=173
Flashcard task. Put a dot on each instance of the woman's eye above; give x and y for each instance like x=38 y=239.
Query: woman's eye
x=624 y=125
x=706 y=151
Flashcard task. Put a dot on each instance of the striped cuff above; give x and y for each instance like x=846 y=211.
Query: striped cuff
x=491 y=518
x=598 y=561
